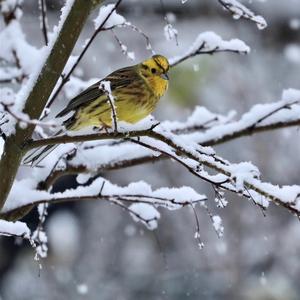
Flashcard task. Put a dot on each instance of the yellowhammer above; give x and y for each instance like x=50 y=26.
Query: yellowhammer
x=135 y=90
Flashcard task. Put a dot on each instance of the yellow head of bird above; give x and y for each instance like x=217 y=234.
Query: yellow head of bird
x=157 y=65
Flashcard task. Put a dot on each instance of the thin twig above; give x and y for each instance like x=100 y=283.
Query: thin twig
x=201 y=50
x=111 y=101
x=43 y=17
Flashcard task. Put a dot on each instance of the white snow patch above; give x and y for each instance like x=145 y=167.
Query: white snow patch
x=210 y=41
x=145 y=213
x=14 y=228
x=114 y=20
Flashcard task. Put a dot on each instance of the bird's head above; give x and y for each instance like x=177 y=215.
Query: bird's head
x=157 y=65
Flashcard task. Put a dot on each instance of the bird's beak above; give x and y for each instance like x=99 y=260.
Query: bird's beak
x=165 y=76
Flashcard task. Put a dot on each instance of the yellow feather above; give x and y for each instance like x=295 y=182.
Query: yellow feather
x=133 y=102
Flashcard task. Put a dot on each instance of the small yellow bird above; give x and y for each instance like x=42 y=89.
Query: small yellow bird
x=136 y=90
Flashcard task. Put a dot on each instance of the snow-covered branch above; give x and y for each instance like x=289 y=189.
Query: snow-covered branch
x=239 y=10
x=217 y=128
x=105 y=87
x=180 y=142
x=16 y=229
x=137 y=197
x=210 y=43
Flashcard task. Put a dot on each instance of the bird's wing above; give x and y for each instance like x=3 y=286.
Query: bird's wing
x=120 y=78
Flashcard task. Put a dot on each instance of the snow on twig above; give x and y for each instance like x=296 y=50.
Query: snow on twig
x=210 y=43
x=108 y=17
x=20 y=230
x=134 y=193
x=123 y=47
x=169 y=31
x=105 y=87
x=260 y=117
x=16 y=229
x=239 y=10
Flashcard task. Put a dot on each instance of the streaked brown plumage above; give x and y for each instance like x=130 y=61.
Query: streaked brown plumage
x=135 y=89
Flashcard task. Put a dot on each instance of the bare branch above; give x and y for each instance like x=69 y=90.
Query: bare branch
x=43 y=19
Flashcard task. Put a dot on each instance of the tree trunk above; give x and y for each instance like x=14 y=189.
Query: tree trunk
x=37 y=99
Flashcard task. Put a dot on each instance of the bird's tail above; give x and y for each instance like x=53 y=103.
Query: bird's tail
x=35 y=157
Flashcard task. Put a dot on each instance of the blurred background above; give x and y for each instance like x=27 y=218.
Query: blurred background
x=96 y=250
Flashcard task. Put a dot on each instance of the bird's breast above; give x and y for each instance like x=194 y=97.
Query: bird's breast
x=158 y=86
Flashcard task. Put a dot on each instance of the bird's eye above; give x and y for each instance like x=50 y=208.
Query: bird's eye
x=153 y=71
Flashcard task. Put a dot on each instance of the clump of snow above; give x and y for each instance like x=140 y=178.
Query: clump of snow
x=243 y=172
x=14 y=6
x=259 y=115
x=83 y=178
x=13 y=40
x=217 y=223
x=42 y=247
x=114 y=19
x=213 y=41
x=145 y=213
x=197 y=236
x=208 y=42
x=200 y=116
x=14 y=228
x=170 y=32
x=291 y=95
x=105 y=85
x=129 y=54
